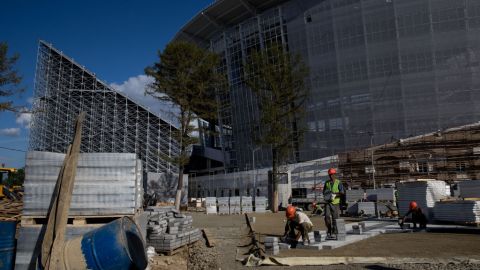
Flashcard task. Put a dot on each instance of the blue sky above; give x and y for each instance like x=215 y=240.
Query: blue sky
x=114 y=39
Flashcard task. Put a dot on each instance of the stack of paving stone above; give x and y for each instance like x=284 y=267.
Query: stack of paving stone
x=357 y=229
x=235 y=205
x=469 y=189
x=311 y=237
x=458 y=211
x=211 y=205
x=223 y=205
x=381 y=194
x=341 y=230
x=271 y=246
x=317 y=236
x=355 y=195
x=247 y=204
x=425 y=193
x=260 y=204
x=366 y=208
x=168 y=230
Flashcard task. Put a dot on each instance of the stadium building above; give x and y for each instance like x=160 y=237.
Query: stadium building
x=114 y=122
x=380 y=70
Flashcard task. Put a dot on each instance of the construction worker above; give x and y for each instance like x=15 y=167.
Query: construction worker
x=332 y=191
x=317 y=209
x=417 y=216
x=299 y=221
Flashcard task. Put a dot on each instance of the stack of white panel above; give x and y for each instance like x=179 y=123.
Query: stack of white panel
x=105 y=183
x=235 y=205
x=355 y=195
x=247 y=204
x=223 y=205
x=458 y=211
x=381 y=194
x=211 y=205
x=425 y=193
x=260 y=204
x=469 y=189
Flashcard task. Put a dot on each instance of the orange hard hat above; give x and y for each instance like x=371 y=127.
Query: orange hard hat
x=413 y=205
x=332 y=171
x=290 y=213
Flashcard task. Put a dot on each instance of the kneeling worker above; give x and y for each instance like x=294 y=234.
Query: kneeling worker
x=417 y=216
x=299 y=221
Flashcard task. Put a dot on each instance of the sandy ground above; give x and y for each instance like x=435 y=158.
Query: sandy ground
x=230 y=235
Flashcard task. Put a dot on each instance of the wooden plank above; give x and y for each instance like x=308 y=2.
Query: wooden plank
x=54 y=238
x=79 y=221
x=208 y=238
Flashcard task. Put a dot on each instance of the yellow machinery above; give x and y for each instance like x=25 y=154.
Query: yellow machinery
x=7 y=172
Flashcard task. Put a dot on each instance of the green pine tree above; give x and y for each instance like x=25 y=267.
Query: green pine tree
x=186 y=75
x=277 y=79
x=9 y=79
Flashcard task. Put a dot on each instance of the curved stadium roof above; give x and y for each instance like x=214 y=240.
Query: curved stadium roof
x=220 y=15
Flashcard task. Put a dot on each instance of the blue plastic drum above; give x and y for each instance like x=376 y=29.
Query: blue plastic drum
x=7 y=244
x=116 y=245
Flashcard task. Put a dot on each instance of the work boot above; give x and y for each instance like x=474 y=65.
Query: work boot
x=331 y=237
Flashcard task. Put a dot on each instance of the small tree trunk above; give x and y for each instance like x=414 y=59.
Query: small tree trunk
x=274 y=181
x=178 y=195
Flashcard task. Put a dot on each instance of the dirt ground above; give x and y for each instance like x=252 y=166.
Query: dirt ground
x=230 y=236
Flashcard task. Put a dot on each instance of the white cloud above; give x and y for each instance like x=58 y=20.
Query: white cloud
x=24 y=119
x=11 y=132
x=135 y=87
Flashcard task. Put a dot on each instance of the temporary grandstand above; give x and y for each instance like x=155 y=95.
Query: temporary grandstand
x=114 y=122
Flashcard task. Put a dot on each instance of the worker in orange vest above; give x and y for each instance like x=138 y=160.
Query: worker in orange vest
x=299 y=221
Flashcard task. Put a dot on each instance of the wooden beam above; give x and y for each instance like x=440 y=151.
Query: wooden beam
x=54 y=238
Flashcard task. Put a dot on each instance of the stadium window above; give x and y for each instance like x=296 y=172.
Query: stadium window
x=460 y=166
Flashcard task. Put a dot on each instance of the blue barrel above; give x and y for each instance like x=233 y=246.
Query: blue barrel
x=7 y=244
x=116 y=245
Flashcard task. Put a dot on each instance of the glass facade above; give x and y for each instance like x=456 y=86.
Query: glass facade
x=380 y=70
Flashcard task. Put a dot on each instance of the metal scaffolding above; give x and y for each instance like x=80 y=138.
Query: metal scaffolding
x=114 y=123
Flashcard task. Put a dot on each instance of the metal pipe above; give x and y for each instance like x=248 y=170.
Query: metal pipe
x=254 y=171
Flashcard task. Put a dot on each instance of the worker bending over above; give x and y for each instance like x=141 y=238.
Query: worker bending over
x=297 y=220
x=332 y=190
x=417 y=216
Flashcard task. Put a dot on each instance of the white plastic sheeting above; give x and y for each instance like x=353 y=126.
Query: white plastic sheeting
x=425 y=193
x=469 y=189
x=105 y=183
x=458 y=211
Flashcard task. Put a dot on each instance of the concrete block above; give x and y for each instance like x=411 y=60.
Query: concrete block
x=317 y=236
x=270 y=244
x=271 y=240
x=283 y=246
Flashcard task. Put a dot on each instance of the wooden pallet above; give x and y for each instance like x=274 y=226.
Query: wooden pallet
x=469 y=224
x=72 y=220
x=173 y=251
